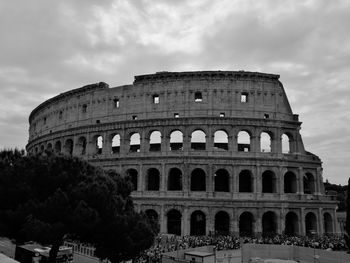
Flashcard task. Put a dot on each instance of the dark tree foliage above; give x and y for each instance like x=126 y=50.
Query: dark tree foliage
x=347 y=223
x=49 y=198
x=340 y=192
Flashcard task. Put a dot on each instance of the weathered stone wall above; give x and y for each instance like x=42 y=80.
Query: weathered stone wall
x=75 y=122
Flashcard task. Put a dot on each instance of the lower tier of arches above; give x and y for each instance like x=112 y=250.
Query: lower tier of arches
x=240 y=220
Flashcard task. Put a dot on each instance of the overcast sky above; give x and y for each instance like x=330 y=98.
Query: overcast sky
x=48 y=47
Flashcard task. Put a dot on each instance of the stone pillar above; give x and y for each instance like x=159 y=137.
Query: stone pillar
x=163 y=220
x=124 y=143
x=165 y=144
x=258 y=179
x=210 y=180
x=235 y=186
x=140 y=183
x=282 y=224
x=255 y=144
x=302 y=227
x=144 y=143
x=210 y=222
x=258 y=223
x=300 y=184
x=186 y=179
x=234 y=226
x=320 y=227
x=106 y=145
x=163 y=185
x=277 y=142
x=184 y=223
x=319 y=184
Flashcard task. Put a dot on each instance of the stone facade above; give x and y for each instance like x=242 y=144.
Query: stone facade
x=206 y=151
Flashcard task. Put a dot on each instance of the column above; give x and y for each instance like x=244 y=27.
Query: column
x=107 y=145
x=235 y=180
x=184 y=224
x=302 y=230
x=140 y=179
x=163 y=186
x=258 y=179
x=234 y=222
x=163 y=220
x=300 y=181
x=320 y=222
x=282 y=224
x=210 y=180
x=258 y=226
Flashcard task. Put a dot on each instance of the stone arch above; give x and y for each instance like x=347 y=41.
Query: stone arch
x=49 y=147
x=135 y=142
x=174 y=222
x=42 y=148
x=245 y=181
x=153 y=178
x=309 y=183
x=265 y=142
x=133 y=175
x=291 y=224
x=115 y=143
x=246 y=224
x=68 y=147
x=198 y=180
x=222 y=223
x=286 y=139
x=221 y=140
x=58 y=147
x=176 y=140
x=81 y=145
x=328 y=223
x=310 y=223
x=243 y=141
x=290 y=182
x=152 y=215
x=98 y=143
x=198 y=140
x=175 y=179
x=269 y=182
x=155 y=141
x=269 y=223
x=198 y=224
x=221 y=181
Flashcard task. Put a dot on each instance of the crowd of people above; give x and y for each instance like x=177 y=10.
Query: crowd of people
x=165 y=244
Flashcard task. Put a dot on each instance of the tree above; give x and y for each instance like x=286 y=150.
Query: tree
x=49 y=198
x=347 y=223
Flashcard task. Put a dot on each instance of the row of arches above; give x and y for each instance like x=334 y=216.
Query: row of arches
x=247 y=223
x=198 y=141
x=221 y=181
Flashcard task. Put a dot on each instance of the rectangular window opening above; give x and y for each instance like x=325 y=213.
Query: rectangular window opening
x=244 y=97
x=116 y=103
x=176 y=115
x=222 y=114
x=155 y=99
x=134 y=117
x=198 y=97
x=266 y=116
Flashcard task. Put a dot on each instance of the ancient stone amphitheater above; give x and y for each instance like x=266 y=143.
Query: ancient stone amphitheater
x=206 y=151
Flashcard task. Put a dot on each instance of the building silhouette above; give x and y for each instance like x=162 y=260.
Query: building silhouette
x=207 y=151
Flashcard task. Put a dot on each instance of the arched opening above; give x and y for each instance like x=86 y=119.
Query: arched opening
x=268 y=182
x=152 y=215
x=155 y=141
x=176 y=141
x=153 y=179
x=174 y=222
x=99 y=144
x=135 y=142
x=58 y=147
x=81 y=146
x=42 y=148
x=328 y=223
x=222 y=179
x=309 y=183
x=291 y=224
x=290 y=183
x=269 y=223
x=222 y=223
x=243 y=141
x=221 y=140
x=116 y=144
x=310 y=224
x=245 y=182
x=68 y=147
x=198 y=222
x=198 y=140
x=198 y=180
x=49 y=147
x=133 y=174
x=265 y=142
x=175 y=180
x=285 y=143
x=246 y=220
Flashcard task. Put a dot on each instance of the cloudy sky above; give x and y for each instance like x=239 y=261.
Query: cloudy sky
x=48 y=47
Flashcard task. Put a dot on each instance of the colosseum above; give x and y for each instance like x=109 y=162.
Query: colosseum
x=208 y=151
